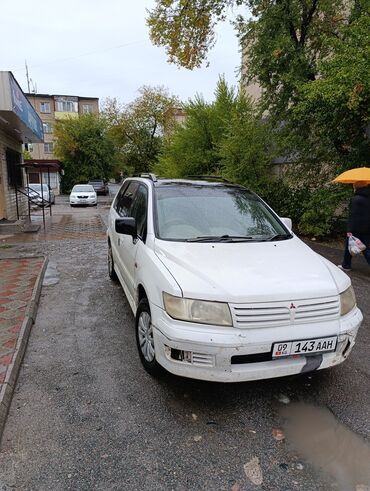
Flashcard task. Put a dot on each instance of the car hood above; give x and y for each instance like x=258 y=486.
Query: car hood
x=250 y=271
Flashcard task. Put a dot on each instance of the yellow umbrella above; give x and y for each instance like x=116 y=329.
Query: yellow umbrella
x=352 y=176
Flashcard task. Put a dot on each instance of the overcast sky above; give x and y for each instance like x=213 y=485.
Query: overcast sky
x=101 y=48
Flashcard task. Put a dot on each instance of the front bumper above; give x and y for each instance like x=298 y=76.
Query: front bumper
x=88 y=201
x=212 y=348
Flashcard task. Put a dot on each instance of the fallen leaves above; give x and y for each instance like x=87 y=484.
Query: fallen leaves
x=278 y=434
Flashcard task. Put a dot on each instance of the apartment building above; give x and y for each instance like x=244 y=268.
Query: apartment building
x=51 y=108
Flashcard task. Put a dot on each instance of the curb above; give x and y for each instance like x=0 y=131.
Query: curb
x=9 y=384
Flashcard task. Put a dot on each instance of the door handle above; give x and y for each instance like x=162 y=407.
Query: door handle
x=119 y=241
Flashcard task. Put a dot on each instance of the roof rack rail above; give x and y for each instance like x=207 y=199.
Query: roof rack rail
x=149 y=175
x=216 y=178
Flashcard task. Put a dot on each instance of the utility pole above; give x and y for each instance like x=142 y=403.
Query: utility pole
x=28 y=78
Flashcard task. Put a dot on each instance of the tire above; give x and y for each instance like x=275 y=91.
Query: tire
x=111 y=272
x=144 y=339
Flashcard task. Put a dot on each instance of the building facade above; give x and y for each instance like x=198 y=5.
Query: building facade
x=19 y=125
x=50 y=109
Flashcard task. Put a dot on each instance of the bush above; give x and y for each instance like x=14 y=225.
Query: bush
x=314 y=212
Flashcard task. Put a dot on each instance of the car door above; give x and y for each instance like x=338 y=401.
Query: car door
x=120 y=242
x=139 y=211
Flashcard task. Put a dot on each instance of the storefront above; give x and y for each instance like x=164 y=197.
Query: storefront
x=19 y=123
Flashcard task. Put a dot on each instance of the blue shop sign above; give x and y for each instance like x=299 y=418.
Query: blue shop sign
x=23 y=109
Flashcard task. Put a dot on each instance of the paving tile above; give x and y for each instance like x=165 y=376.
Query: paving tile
x=17 y=280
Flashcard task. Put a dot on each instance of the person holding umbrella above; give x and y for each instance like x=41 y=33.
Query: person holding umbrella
x=359 y=218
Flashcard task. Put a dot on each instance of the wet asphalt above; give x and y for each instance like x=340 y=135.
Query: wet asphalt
x=86 y=416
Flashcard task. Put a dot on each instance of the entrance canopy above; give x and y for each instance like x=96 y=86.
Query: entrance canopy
x=17 y=116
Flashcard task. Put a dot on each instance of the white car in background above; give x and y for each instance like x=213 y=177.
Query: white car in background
x=221 y=287
x=83 y=194
x=38 y=195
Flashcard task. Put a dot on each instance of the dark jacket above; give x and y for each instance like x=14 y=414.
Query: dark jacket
x=359 y=218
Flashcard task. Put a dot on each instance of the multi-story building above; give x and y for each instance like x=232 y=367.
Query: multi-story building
x=50 y=109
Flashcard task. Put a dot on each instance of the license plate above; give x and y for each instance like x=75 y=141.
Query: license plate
x=304 y=347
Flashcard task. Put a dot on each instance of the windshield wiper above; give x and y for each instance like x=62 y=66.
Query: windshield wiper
x=279 y=237
x=221 y=238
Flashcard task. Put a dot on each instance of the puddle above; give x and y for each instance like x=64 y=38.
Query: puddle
x=51 y=275
x=330 y=446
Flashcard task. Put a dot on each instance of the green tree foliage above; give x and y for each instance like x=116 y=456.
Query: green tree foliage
x=186 y=28
x=82 y=144
x=312 y=60
x=138 y=128
x=333 y=111
x=247 y=148
x=224 y=137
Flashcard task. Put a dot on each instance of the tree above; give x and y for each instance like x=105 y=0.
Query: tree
x=301 y=52
x=224 y=137
x=332 y=113
x=192 y=148
x=138 y=128
x=247 y=149
x=85 y=149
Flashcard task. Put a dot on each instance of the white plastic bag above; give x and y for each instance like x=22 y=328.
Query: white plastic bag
x=355 y=246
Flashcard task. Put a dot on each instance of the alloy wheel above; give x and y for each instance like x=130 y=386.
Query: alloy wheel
x=145 y=335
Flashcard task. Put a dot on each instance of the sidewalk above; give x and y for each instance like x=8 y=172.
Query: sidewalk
x=20 y=285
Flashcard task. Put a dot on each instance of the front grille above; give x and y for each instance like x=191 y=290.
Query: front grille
x=274 y=314
x=260 y=315
x=82 y=197
x=317 y=309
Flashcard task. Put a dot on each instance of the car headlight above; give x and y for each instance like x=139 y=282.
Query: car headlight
x=199 y=311
x=347 y=301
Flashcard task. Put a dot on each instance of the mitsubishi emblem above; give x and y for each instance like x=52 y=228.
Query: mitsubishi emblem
x=292 y=306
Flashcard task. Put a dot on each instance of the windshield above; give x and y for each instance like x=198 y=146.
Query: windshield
x=85 y=188
x=188 y=212
x=37 y=187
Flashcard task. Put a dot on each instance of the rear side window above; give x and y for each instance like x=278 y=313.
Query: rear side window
x=124 y=202
x=140 y=210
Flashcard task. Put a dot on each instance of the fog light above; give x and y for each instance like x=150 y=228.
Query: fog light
x=180 y=355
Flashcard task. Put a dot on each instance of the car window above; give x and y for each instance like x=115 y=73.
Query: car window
x=83 y=189
x=139 y=210
x=119 y=195
x=185 y=212
x=123 y=205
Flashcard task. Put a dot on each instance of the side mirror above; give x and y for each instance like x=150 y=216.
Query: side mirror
x=287 y=222
x=126 y=226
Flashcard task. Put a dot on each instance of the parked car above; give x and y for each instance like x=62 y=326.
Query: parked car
x=46 y=196
x=83 y=194
x=221 y=287
x=100 y=186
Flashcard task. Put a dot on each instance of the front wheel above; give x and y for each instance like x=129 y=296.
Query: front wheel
x=145 y=340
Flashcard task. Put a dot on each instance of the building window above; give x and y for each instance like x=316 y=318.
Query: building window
x=53 y=178
x=28 y=147
x=87 y=108
x=48 y=147
x=45 y=107
x=48 y=128
x=15 y=174
x=67 y=106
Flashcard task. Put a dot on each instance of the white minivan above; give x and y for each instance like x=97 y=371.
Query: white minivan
x=221 y=287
